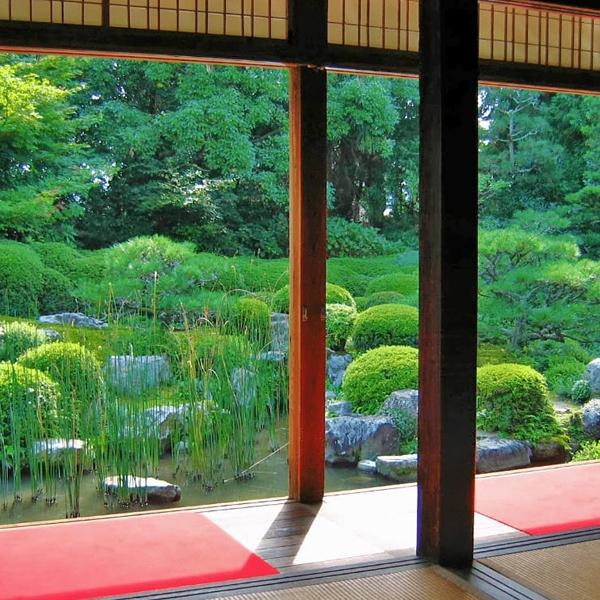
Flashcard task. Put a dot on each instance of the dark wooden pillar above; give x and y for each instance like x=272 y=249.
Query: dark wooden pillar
x=308 y=221
x=448 y=280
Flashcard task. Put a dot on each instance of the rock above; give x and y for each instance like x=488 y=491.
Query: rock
x=337 y=363
x=405 y=400
x=496 y=454
x=590 y=418
x=549 y=452
x=351 y=439
x=280 y=332
x=73 y=319
x=340 y=409
x=51 y=335
x=592 y=374
x=156 y=490
x=56 y=448
x=244 y=386
x=330 y=397
x=135 y=374
x=164 y=420
x=367 y=466
x=398 y=468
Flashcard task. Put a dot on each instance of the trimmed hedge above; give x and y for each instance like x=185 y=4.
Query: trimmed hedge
x=55 y=295
x=403 y=283
x=18 y=337
x=386 y=325
x=383 y=298
x=334 y=294
x=373 y=376
x=21 y=279
x=340 y=320
x=513 y=399
x=33 y=397
x=79 y=375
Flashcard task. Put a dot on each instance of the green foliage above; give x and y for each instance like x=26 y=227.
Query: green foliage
x=253 y=318
x=340 y=320
x=490 y=354
x=16 y=337
x=407 y=427
x=56 y=293
x=374 y=375
x=378 y=298
x=581 y=391
x=63 y=258
x=345 y=238
x=28 y=398
x=402 y=283
x=562 y=373
x=79 y=375
x=385 y=325
x=513 y=399
x=334 y=294
x=21 y=279
x=589 y=450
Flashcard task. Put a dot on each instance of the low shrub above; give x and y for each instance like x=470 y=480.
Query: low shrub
x=491 y=354
x=61 y=257
x=334 y=294
x=562 y=373
x=21 y=279
x=386 y=325
x=263 y=275
x=588 y=451
x=55 y=295
x=383 y=298
x=252 y=317
x=581 y=391
x=340 y=320
x=79 y=375
x=373 y=376
x=403 y=283
x=29 y=397
x=344 y=275
x=407 y=426
x=17 y=337
x=345 y=238
x=513 y=399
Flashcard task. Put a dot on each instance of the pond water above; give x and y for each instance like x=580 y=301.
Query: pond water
x=270 y=480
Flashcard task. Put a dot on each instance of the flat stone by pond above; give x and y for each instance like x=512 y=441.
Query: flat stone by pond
x=56 y=448
x=156 y=490
x=73 y=319
x=398 y=468
x=498 y=454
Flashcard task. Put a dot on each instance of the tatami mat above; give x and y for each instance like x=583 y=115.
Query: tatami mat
x=425 y=583
x=567 y=572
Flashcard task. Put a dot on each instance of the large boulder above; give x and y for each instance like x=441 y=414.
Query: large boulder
x=592 y=374
x=337 y=363
x=155 y=490
x=590 y=418
x=351 y=439
x=399 y=468
x=497 y=454
x=549 y=452
x=135 y=374
x=73 y=319
x=280 y=332
x=340 y=409
x=404 y=400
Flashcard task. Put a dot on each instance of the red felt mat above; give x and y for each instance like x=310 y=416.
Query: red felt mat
x=543 y=501
x=91 y=559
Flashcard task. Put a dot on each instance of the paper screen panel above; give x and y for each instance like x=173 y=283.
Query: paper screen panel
x=62 y=12
x=249 y=18
x=388 y=24
x=539 y=37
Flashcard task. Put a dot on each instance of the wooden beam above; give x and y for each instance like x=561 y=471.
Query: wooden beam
x=448 y=280
x=308 y=247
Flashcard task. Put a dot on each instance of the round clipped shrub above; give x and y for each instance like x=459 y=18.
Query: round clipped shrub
x=31 y=397
x=373 y=376
x=21 y=279
x=581 y=391
x=403 y=283
x=334 y=294
x=513 y=400
x=17 y=337
x=383 y=298
x=340 y=320
x=61 y=257
x=253 y=318
x=385 y=325
x=78 y=373
x=56 y=293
